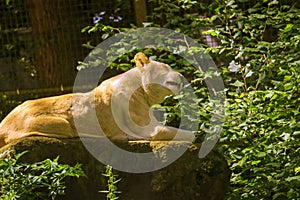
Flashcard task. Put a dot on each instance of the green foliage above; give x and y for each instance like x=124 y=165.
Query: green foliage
x=262 y=40
x=41 y=180
x=258 y=57
x=112 y=189
x=262 y=74
x=262 y=145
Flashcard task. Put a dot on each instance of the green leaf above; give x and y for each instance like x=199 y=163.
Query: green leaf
x=261 y=154
x=274 y=97
x=288 y=28
x=238 y=83
x=297 y=169
x=293 y=178
x=105 y=36
x=287 y=78
x=93 y=29
x=259 y=16
x=255 y=162
x=211 y=32
x=85 y=29
x=288 y=86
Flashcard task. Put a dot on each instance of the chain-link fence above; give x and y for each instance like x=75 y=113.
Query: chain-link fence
x=38 y=36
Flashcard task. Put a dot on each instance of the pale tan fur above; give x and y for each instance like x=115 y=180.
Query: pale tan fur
x=55 y=116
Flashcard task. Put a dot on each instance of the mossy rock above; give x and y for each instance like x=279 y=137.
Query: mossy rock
x=187 y=178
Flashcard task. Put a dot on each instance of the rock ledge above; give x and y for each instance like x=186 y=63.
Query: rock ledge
x=187 y=178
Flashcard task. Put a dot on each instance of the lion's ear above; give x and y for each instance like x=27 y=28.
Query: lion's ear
x=141 y=59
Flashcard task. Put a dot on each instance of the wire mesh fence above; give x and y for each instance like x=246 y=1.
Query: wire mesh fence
x=36 y=35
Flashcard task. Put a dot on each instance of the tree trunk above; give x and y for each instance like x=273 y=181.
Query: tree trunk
x=53 y=60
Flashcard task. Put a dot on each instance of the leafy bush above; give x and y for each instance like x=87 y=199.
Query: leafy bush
x=262 y=77
x=41 y=180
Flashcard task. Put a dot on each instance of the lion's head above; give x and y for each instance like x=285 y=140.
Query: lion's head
x=158 y=78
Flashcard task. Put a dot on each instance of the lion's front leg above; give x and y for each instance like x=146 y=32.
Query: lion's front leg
x=169 y=133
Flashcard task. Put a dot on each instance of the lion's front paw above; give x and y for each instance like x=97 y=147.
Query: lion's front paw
x=159 y=137
x=163 y=133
